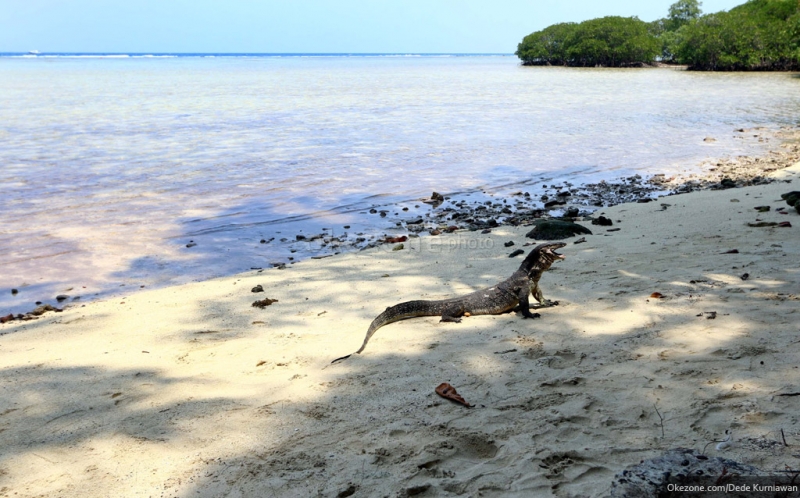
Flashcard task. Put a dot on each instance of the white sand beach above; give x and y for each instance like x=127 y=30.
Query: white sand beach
x=191 y=391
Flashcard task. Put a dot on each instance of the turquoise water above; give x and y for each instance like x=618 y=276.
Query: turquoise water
x=109 y=166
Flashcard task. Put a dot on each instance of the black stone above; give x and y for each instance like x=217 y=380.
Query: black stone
x=602 y=221
x=791 y=197
x=556 y=230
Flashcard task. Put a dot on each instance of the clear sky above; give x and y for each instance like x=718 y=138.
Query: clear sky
x=371 y=26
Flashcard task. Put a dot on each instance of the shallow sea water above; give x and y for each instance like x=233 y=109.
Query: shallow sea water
x=110 y=166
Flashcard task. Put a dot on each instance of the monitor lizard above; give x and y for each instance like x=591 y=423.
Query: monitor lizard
x=505 y=296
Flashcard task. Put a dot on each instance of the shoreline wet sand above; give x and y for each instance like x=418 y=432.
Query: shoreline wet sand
x=540 y=197
x=675 y=324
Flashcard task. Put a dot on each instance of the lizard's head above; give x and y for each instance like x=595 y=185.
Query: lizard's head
x=542 y=256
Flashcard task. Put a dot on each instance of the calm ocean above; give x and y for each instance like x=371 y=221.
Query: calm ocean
x=110 y=165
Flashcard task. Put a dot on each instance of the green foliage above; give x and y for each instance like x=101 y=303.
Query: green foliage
x=608 y=41
x=682 y=12
x=669 y=30
x=548 y=46
x=612 y=42
x=758 y=35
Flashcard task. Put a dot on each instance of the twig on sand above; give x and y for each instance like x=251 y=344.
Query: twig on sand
x=661 y=419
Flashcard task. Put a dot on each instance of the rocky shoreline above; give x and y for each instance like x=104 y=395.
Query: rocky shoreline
x=565 y=200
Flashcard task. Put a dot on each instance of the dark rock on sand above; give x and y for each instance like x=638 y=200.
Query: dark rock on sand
x=435 y=199
x=509 y=243
x=257 y=288
x=727 y=183
x=516 y=253
x=763 y=224
x=263 y=303
x=556 y=230
x=572 y=212
x=602 y=221
x=791 y=198
x=62 y=297
x=680 y=466
x=41 y=310
x=554 y=203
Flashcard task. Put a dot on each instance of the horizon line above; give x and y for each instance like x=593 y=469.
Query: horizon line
x=37 y=52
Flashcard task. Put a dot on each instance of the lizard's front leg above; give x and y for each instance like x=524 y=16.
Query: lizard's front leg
x=524 y=305
x=536 y=291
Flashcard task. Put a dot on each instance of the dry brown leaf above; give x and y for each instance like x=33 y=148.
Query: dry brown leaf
x=445 y=390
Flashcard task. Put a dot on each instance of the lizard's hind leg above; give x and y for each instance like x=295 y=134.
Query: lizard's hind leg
x=453 y=314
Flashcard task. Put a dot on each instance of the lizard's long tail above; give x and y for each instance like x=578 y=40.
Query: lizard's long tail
x=402 y=311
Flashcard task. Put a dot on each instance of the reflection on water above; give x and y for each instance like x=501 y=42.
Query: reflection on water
x=109 y=167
